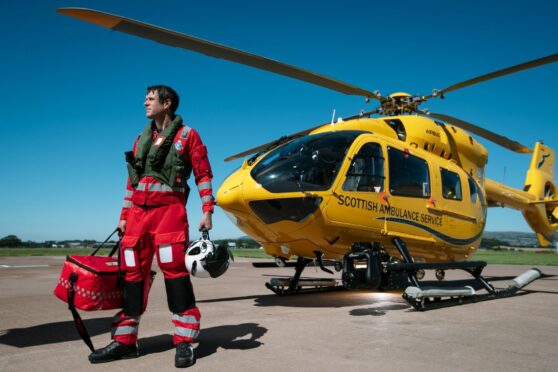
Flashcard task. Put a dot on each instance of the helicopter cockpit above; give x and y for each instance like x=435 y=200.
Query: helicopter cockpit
x=309 y=163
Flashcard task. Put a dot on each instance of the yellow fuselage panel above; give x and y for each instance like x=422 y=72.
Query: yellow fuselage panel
x=435 y=228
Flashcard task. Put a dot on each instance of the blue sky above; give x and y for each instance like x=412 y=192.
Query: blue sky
x=72 y=93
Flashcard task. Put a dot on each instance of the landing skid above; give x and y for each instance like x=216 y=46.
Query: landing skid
x=295 y=285
x=382 y=272
x=283 y=287
x=427 y=298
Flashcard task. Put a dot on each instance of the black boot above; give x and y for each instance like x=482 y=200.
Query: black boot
x=184 y=355
x=114 y=351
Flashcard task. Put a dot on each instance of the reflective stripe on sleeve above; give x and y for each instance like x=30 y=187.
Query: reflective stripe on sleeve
x=204 y=186
x=185 y=132
x=127 y=204
x=129 y=193
x=207 y=198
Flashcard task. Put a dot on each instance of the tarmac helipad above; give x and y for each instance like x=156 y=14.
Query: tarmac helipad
x=248 y=328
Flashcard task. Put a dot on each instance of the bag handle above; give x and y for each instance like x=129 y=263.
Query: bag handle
x=103 y=243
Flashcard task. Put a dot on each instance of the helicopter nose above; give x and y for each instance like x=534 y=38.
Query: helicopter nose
x=229 y=195
x=230 y=198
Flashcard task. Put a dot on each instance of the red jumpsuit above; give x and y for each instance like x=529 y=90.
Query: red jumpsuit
x=157 y=224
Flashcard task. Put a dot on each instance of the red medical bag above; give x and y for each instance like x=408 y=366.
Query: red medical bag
x=95 y=282
x=92 y=283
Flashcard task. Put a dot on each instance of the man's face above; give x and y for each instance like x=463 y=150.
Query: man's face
x=153 y=108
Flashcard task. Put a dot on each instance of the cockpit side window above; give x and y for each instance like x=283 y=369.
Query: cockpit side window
x=408 y=174
x=473 y=190
x=451 y=185
x=366 y=173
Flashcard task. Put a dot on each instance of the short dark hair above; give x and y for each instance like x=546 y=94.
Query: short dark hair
x=165 y=93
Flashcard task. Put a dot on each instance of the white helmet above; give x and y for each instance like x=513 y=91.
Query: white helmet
x=205 y=259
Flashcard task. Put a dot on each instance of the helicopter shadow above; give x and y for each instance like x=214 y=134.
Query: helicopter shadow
x=335 y=298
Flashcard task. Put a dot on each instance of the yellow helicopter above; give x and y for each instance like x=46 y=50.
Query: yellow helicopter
x=384 y=197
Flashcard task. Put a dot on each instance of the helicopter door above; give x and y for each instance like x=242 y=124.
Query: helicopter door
x=461 y=208
x=409 y=194
x=356 y=201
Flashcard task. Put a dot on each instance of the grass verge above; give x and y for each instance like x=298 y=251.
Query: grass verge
x=517 y=258
x=491 y=257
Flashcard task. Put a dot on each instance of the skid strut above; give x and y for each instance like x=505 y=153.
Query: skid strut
x=287 y=286
x=426 y=298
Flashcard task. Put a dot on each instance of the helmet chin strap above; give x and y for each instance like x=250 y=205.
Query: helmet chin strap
x=194 y=268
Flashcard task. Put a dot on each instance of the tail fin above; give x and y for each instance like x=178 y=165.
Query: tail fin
x=543 y=214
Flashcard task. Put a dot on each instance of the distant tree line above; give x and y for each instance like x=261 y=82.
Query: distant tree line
x=12 y=241
x=239 y=243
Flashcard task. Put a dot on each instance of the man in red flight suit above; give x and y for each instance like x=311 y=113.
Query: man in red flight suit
x=154 y=221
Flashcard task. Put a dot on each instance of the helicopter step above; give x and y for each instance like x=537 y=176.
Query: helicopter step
x=282 y=286
x=287 y=286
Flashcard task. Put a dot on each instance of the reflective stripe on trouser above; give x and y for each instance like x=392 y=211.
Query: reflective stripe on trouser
x=124 y=328
x=186 y=326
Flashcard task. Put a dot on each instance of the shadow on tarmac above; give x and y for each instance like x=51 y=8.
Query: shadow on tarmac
x=378 y=311
x=238 y=337
x=342 y=298
x=331 y=299
x=51 y=333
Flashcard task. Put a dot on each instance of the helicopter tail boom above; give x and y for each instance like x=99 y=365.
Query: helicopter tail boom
x=537 y=201
x=540 y=183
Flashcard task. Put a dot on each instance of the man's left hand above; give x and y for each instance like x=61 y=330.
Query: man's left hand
x=206 y=223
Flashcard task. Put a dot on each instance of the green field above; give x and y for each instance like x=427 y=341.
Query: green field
x=492 y=257
x=516 y=258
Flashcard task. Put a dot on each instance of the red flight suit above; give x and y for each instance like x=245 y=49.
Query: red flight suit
x=157 y=224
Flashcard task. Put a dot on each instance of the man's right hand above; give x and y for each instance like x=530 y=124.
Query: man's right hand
x=122 y=228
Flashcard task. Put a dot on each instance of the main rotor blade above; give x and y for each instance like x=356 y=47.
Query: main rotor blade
x=294 y=135
x=175 y=39
x=491 y=136
x=272 y=143
x=506 y=71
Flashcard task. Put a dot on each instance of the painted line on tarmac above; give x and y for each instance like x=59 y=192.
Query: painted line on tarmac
x=20 y=266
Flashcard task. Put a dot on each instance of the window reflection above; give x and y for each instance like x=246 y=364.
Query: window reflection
x=451 y=185
x=366 y=172
x=408 y=175
x=309 y=163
